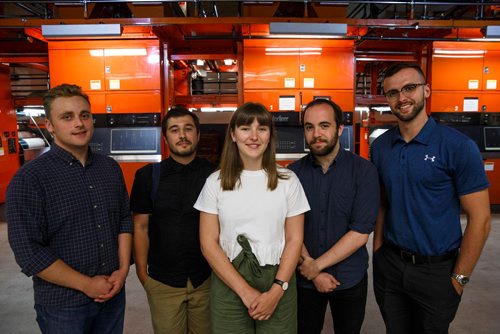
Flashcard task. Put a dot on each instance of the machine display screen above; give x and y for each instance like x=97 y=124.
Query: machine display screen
x=138 y=140
x=492 y=138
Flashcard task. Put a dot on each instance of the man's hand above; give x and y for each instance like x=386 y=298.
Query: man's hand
x=458 y=288
x=117 y=280
x=142 y=275
x=97 y=286
x=309 y=268
x=325 y=282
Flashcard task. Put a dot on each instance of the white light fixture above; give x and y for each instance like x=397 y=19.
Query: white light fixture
x=459 y=52
x=293 y=51
x=228 y=62
x=492 y=32
x=306 y=30
x=200 y=62
x=81 y=30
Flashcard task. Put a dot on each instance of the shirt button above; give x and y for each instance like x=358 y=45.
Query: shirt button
x=98 y=226
x=103 y=264
x=102 y=245
x=91 y=187
x=95 y=206
x=71 y=164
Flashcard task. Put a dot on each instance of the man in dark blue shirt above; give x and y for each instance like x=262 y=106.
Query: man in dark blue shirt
x=428 y=171
x=69 y=224
x=343 y=192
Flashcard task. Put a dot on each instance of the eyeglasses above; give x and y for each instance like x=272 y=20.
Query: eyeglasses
x=407 y=90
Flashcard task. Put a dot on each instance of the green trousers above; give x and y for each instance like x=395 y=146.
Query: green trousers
x=228 y=313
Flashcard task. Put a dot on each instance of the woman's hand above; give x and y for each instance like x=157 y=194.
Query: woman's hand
x=263 y=306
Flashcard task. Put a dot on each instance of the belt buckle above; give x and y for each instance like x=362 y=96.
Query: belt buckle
x=408 y=257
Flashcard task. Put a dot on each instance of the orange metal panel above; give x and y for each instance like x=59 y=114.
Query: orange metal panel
x=97 y=102
x=270 y=98
x=133 y=102
x=449 y=101
x=138 y=68
x=128 y=170
x=494 y=177
x=491 y=101
x=492 y=77
x=456 y=73
x=9 y=161
x=364 y=146
x=261 y=71
x=344 y=98
x=332 y=69
x=76 y=67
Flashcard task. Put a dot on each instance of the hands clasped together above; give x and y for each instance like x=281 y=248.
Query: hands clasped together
x=102 y=288
x=324 y=282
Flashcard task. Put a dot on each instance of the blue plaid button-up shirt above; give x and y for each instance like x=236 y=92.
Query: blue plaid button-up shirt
x=58 y=209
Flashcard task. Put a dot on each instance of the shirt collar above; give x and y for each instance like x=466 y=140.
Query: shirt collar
x=171 y=163
x=67 y=157
x=338 y=158
x=423 y=137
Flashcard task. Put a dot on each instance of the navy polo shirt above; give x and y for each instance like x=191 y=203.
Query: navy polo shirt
x=423 y=180
x=344 y=198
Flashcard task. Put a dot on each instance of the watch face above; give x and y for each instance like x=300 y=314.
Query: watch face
x=285 y=286
x=464 y=280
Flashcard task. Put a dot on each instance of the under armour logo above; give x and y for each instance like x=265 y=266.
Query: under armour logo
x=427 y=157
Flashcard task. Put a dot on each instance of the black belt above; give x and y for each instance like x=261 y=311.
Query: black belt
x=410 y=257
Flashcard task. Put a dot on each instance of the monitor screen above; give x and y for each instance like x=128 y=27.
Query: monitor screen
x=135 y=140
x=491 y=138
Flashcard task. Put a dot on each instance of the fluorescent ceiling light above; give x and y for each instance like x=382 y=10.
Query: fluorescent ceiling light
x=459 y=52
x=293 y=53
x=200 y=62
x=117 y=52
x=207 y=109
x=228 y=62
x=81 y=30
x=382 y=109
x=292 y=49
x=312 y=30
x=458 y=56
x=492 y=31
x=361 y=109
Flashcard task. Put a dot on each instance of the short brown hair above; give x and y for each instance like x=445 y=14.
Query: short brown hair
x=63 y=90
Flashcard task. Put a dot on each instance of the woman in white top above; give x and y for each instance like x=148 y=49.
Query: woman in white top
x=251 y=230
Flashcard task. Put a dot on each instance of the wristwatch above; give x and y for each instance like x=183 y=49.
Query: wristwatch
x=284 y=285
x=461 y=279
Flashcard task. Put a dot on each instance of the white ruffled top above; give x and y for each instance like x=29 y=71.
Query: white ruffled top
x=254 y=211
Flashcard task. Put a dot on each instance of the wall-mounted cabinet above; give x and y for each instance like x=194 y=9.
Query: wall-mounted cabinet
x=298 y=67
x=465 y=76
x=287 y=74
x=118 y=75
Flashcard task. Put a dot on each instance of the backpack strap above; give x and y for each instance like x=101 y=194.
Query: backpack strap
x=156 y=181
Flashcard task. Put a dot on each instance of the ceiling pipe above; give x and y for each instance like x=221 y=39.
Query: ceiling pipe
x=332 y=2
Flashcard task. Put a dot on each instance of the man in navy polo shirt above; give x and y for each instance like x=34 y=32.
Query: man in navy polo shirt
x=343 y=192
x=427 y=172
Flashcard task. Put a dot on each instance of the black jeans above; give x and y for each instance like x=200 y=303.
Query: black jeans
x=347 y=307
x=414 y=298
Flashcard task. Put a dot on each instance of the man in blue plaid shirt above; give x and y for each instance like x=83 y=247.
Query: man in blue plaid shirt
x=69 y=224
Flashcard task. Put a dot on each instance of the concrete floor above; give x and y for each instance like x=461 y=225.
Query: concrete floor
x=480 y=302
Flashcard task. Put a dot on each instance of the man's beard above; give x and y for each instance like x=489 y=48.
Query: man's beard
x=417 y=109
x=330 y=146
x=184 y=153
